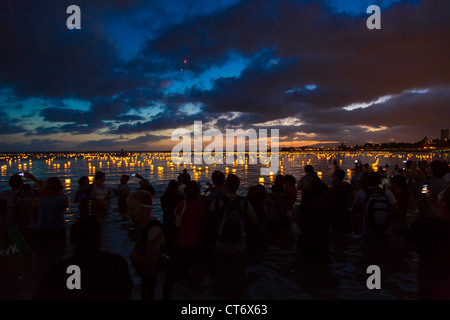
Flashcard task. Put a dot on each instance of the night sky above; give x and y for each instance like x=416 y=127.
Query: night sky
x=137 y=70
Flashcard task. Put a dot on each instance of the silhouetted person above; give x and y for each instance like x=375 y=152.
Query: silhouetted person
x=399 y=187
x=314 y=220
x=231 y=213
x=98 y=193
x=340 y=194
x=104 y=276
x=376 y=206
x=22 y=212
x=430 y=237
x=144 y=184
x=218 y=189
x=15 y=256
x=436 y=184
x=83 y=198
x=122 y=191
x=151 y=243
x=169 y=202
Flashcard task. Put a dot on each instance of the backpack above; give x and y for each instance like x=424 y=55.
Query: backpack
x=231 y=225
x=378 y=210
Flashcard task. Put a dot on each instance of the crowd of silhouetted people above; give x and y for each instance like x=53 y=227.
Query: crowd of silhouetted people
x=212 y=235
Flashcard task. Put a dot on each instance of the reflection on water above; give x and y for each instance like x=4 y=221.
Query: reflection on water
x=278 y=272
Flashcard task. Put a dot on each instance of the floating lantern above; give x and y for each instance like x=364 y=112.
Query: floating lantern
x=261 y=180
x=67 y=181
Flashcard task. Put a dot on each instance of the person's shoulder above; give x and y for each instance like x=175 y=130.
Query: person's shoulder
x=155 y=231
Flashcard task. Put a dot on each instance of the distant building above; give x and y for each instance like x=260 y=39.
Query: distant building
x=444 y=134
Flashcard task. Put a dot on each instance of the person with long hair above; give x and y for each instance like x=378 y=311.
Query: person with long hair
x=399 y=187
x=52 y=205
x=151 y=242
x=82 y=198
x=169 y=202
x=98 y=193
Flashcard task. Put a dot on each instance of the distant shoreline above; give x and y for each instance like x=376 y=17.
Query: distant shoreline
x=282 y=150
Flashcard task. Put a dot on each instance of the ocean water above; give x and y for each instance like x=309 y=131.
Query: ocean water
x=279 y=273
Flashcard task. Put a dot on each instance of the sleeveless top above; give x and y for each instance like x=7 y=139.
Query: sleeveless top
x=99 y=193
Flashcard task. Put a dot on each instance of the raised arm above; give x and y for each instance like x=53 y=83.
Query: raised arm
x=37 y=182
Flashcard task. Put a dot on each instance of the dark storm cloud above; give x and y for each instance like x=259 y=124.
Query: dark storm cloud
x=9 y=125
x=348 y=62
x=406 y=117
x=159 y=122
x=416 y=109
x=67 y=128
x=7 y=128
x=56 y=114
x=128 y=118
x=41 y=57
x=35 y=145
x=112 y=144
x=99 y=110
